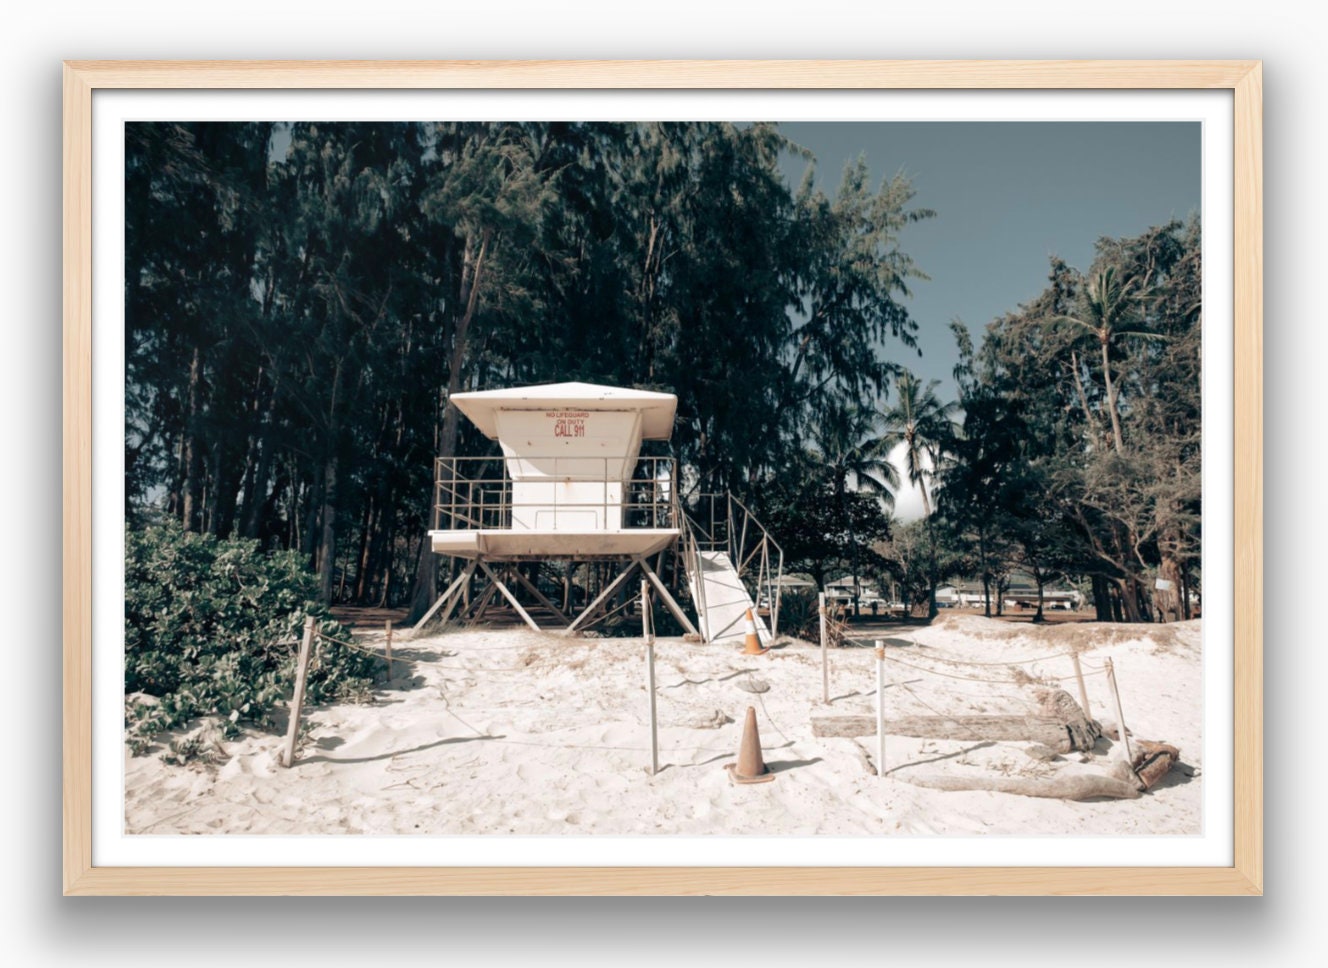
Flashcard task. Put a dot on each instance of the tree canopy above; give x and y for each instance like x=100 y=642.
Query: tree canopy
x=1080 y=448
x=303 y=300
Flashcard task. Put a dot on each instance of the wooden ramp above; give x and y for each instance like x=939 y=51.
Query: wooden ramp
x=722 y=601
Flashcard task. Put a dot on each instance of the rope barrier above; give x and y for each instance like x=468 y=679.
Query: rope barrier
x=497 y=648
x=966 y=662
x=350 y=645
x=999 y=682
x=922 y=664
x=465 y=668
x=973 y=737
x=1087 y=675
x=985 y=694
x=581 y=746
x=761 y=699
x=447 y=703
x=948 y=675
x=963 y=662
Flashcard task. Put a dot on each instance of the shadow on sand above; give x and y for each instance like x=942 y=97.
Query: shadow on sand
x=391 y=753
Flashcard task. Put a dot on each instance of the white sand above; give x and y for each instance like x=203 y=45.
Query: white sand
x=510 y=732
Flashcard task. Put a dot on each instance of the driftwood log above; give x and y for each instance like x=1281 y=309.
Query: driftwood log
x=1083 y=786
x=1154 y=761
x=1059 y=724
x=1125 y=782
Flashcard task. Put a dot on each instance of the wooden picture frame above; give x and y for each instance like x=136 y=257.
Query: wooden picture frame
x=1243 y=79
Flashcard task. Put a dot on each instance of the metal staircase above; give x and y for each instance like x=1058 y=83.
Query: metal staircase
x=732 y=564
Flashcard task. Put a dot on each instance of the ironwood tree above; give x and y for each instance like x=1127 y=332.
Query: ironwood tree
x=304 y=299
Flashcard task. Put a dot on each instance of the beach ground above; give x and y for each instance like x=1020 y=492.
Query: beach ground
x=507 y=731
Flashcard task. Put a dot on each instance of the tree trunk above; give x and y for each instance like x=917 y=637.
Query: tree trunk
x=1083 y=397
x=192 y=458
x=426 y=573
x=1101 y=599
x=328 y=545
x=1168 y=600
x=257 y=499
x=388 y=556
x=1111 y=398
x=227 y=480
x=362 y=555
x=1129 y=596
x=377 y=548
x=853 y=546
x=931 y=551
x=313 y=493
x=1185 y=593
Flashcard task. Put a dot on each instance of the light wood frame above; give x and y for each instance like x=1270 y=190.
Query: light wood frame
x=1243 y=78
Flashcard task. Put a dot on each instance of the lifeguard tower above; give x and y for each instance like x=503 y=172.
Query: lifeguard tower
x=571 y=486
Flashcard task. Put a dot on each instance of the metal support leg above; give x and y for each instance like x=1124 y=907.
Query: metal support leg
x=510 y=597
x=664 y=595
x=475 y=610
x=457 y=583
x=603 y=596
x=539 y=597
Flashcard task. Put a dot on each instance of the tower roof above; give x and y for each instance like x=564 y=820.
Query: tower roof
x=657 y=409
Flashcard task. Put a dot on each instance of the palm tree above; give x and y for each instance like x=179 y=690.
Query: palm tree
x=853 y=457
x=1110 y=310
x=920 y=422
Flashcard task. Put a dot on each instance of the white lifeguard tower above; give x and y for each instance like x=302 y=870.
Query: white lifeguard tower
x=572 y=486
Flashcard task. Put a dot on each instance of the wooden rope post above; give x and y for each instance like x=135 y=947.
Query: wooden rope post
x=1120 y=716
x=297 y=700
x=647 y=632
x=1079 y=677
x=880 y=708
x=389 y=650
x=825 y=666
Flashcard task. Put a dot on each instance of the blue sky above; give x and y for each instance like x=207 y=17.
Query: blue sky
x=1007 y=196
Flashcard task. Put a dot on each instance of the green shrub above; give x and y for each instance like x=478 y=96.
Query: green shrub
x=212 y=628
x=799 y=615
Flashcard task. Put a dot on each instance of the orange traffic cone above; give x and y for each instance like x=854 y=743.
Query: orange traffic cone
x=750 y=768
x=752 y=643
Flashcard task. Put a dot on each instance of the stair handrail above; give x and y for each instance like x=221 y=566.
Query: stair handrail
x=738 y=522
x=694 y=563
x=737 y=554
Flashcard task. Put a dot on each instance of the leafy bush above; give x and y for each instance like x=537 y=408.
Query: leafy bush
x=799 y=614
x=212 y=628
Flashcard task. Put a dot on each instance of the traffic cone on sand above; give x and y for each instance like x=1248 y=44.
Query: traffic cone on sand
x=750 y=768
x=752 y=643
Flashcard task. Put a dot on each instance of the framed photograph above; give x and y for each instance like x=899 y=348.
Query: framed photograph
x=663 y=477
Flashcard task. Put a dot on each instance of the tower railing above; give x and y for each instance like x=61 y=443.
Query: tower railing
x=477 y=493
